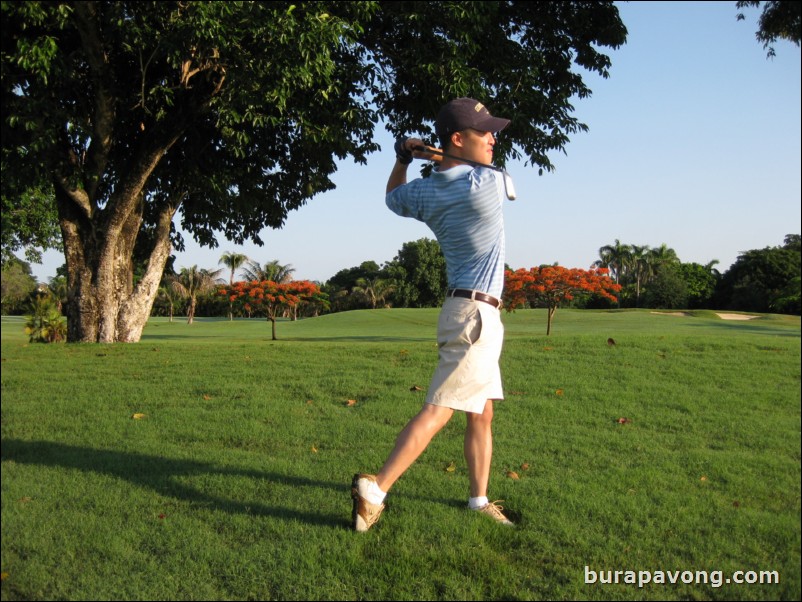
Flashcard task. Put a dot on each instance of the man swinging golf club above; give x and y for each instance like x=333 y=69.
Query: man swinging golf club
x=462 y=205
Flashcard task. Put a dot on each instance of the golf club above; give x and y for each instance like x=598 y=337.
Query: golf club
x=509 y=187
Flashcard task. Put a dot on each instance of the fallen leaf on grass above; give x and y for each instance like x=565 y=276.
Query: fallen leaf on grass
x=703 y=478
x=138 y=416
x=3 y=576
x=736 y=504
x=451 y=467
x=525 y=466
x=415 y=388
x=350 y=402
x=624 y=421
x=611 y=342
x=207 y=397
x=25 y=499
x=559 y=392
x=314 y=449
x=513 y=475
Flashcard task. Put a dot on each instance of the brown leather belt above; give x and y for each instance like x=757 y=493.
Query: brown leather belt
x=476 y=295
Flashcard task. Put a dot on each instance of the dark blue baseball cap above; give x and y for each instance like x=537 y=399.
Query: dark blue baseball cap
x=463 y=113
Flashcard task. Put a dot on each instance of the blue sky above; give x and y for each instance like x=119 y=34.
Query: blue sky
x=694 y=142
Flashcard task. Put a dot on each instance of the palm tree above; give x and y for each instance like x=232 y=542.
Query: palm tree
x=662 y=256
x=58 y=290
x=374 y=290
x=192 y=281
x=233 y=261
x=639 y=262
x=171 y=295
x=616 y=258
x=273 y=271
x=710 y=267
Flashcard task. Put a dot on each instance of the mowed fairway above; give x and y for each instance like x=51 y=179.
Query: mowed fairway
x=630 y=445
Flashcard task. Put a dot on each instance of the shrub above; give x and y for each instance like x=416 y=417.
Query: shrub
x=45 y=324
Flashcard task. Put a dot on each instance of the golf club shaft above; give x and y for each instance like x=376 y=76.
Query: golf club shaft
x=509 y=187
x=436 y=151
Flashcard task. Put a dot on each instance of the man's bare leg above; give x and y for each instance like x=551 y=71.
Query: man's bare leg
x=479 y=449
x=411 y=443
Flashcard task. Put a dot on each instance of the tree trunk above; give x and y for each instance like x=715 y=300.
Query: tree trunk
x=103 y=306
x=191 y=310
x=550 y=311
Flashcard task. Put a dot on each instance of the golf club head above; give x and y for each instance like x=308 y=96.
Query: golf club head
x=509 y=187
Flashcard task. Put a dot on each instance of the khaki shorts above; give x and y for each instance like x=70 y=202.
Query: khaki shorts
x=470 y=335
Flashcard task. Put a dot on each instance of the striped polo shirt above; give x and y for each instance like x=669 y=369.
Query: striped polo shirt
x=462 y=206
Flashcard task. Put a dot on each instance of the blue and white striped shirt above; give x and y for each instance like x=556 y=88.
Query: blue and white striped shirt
x=462 y=206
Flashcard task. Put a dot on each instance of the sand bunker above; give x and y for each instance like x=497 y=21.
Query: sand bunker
x=684 y=314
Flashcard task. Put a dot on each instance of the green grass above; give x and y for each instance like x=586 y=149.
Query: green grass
x=235 y=484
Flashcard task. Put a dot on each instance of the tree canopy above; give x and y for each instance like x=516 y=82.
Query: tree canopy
x=779 y=20
x=550 y=286
x=765 y=280
x=419 y=270
x=231 y=114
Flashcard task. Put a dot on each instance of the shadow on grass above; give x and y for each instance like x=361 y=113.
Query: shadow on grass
x=334 y=338
x=359 y=339
x=162 y=476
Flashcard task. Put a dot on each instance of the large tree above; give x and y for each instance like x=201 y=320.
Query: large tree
x=419 y=274
x=274 y=298
x=550 y=286
x=29 y=224
x=16 y=283
x=231 y=114
x=764 y=280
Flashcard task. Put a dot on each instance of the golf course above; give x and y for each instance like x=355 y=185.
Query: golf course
x=641 y=455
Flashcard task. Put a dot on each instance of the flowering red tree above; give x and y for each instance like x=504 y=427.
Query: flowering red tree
x=273 y=297
x=551 y=285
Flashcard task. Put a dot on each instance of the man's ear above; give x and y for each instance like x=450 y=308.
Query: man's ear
x=457 y=139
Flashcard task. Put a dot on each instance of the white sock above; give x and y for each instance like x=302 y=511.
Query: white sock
x=374 y=494
x=474 y=503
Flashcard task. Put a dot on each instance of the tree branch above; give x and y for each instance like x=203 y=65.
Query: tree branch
x=103 y=123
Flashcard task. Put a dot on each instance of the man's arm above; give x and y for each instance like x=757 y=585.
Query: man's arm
x=398 y=176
